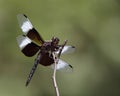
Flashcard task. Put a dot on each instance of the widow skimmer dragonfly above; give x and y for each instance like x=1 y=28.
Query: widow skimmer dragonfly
x=31 y=42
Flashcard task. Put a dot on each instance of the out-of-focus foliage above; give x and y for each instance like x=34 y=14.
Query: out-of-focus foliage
x=92 y=26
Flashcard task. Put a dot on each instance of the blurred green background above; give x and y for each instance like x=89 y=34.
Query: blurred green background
x=92 y=26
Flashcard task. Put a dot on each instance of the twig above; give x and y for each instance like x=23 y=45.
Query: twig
x=56 y=59
x=54 y=76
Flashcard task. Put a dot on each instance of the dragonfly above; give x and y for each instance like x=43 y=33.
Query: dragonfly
x=31 y=43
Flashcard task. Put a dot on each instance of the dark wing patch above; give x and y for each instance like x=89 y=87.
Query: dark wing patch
x=27 y=46
x=35 y=37
x=30 y=50
x=46 y=59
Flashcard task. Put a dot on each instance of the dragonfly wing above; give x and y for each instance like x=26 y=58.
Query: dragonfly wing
x=63 y=66
x=67 y=49
x=27 y=46
x=28 y=29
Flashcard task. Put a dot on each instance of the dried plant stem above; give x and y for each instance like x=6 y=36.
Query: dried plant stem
x=56 y=59
x=54 y=75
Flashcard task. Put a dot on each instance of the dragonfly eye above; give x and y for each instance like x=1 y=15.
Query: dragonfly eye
x=55 y=41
